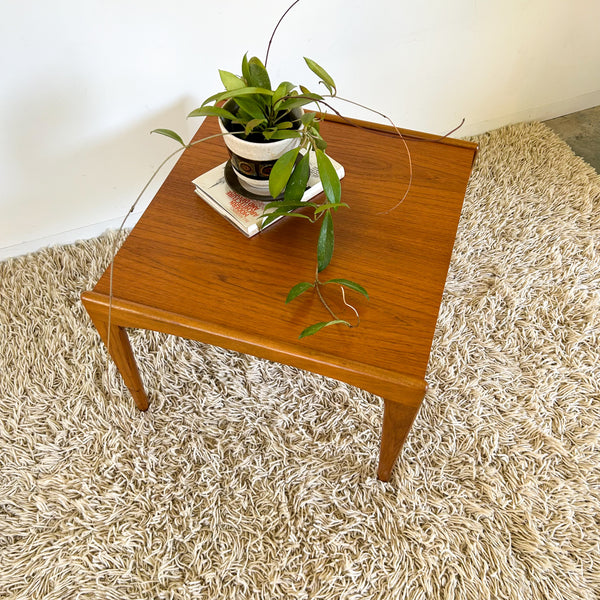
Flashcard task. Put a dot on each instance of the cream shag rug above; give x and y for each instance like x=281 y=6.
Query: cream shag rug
x=251 y=480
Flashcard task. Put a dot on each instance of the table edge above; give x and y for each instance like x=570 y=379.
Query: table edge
x=409 y=134
x=380 y=381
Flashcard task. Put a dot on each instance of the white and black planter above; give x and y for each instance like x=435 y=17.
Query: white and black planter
x=251 y=160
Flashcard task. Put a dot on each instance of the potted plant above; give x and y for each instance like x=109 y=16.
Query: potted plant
x=270 y=139
x=259 y=124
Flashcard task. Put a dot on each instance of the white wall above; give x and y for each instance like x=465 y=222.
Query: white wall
x=85 y=81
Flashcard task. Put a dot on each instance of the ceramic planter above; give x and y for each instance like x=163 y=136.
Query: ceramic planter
x=252 y=161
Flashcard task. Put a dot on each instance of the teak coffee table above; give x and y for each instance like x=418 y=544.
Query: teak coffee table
x=185 y=270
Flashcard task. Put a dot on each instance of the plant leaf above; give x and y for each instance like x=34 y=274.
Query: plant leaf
x=322 y=73
x=245 y=69
x=306 y=91
x=325 y=243
x=281 y=171
x=213 y=98
x=268 y=219
x=320 y=143
x=298 y=289
x=212 y=111
x=245 y=91
x=283 y=209
x=329 y=178
x=169 y=133
x=308 y=119
x=283 y=89
x=329 y=206
x=241 y=116
x=284 y=134
x=318 y=326
x=288 y=205
x=252 y=124
x=231 y=81
x=295 y=102
x=252 y=106
x=296 y=186
x=258 y=75
x=349 y=284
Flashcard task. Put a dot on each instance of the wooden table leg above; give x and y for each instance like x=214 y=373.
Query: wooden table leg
x=120 y=350
x=397 y=421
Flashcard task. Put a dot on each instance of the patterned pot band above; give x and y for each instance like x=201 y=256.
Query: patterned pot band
x=253 y=169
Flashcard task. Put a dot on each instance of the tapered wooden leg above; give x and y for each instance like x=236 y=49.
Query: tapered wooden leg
x=120 y=350
x=397 y=421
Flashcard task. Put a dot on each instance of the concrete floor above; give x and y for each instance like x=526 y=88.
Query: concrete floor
x=581 y=130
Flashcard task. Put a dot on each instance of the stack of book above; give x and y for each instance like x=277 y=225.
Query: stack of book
x=220 y=189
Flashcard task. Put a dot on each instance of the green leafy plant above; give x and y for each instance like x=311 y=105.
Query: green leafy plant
x=257 y=111
x=252 y=108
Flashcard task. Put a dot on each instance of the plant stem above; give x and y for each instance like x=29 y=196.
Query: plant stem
x=274 y=30
x=318 y=288
x=410 y=166
x=114 y=246
x=318 y=285
x=113 y=251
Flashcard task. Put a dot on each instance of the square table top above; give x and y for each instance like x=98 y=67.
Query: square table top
x=183 y=263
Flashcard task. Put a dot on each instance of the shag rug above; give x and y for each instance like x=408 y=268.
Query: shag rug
x=247 y=479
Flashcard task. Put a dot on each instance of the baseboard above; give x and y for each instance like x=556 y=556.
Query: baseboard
x=67 y=237
x=538 y=113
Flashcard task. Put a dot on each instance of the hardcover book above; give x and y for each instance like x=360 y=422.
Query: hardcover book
x=220 y=189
